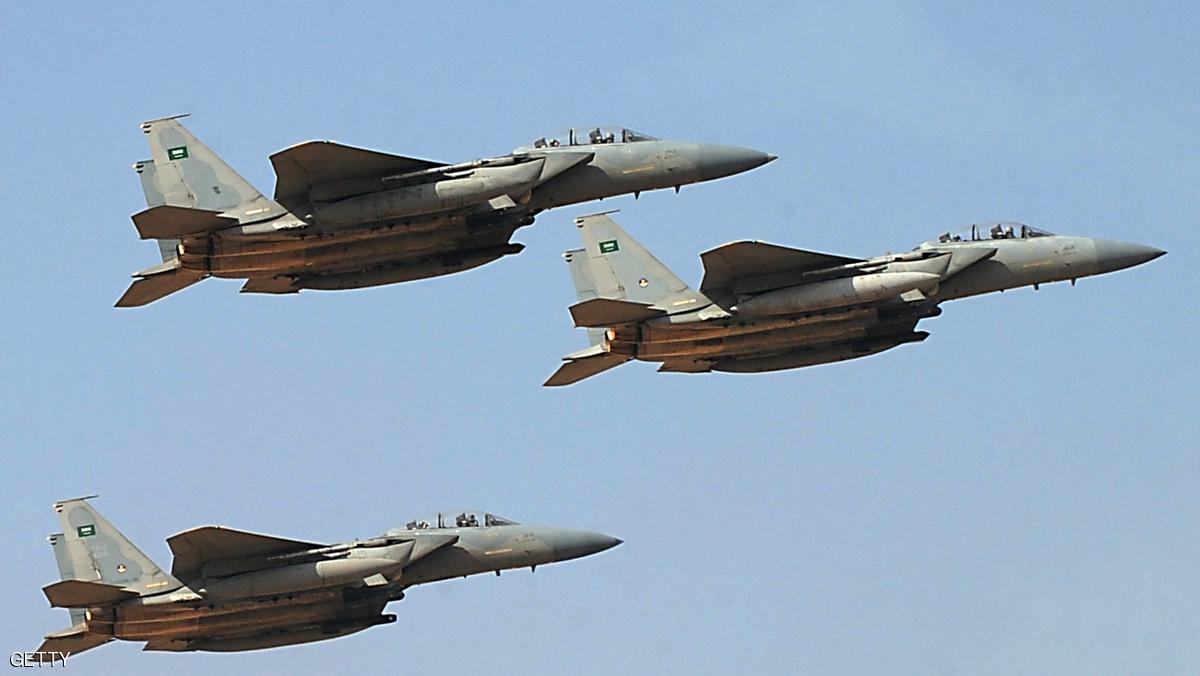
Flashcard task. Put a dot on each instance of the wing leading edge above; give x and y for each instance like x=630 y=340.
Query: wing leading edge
x=313 y=163
x=207 y=545
x=726 y=264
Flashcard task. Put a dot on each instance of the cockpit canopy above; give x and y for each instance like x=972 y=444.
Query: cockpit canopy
x=466 y=518
x=586 y=136
x=981 y=232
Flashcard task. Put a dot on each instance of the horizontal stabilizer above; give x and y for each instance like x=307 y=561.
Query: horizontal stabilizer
x=724 y=265
x=156 y=283
x=601 y=312
x=72 y=641
x=195 y=548
x=577 y=369
x=85 y=594
x=299 y=168
x=171 y=222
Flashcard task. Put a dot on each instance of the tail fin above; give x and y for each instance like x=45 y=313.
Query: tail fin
x=618 y=282
x=187 y=174
x=614 y=265
x=91 y=550
x=66 y=571
x=189 y=192
x=585 y=286
x=98 y=567
x=167 y=248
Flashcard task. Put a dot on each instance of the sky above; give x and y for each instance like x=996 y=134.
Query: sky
x=1018 y=494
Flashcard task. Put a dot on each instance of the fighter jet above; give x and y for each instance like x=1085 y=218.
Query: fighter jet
x=347 y=218
x=231 y=590
x=764 y=307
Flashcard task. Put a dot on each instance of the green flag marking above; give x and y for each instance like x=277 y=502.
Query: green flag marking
x=179 y=153
x=87 y=530
x=608 y=246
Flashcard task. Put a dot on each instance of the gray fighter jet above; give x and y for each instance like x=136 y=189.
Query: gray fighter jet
x=230 y=590
x=763 y=307
x=347 y=218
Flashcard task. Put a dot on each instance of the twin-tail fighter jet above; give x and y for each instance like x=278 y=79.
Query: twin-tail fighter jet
x=763 y=307
x=346 y=218
x=230 y=590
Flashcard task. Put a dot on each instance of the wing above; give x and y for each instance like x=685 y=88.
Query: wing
x=725 y=265
x=299 y=168
x=199 y=547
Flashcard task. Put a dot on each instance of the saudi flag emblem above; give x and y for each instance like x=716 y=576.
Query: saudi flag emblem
x=87 y=530
x=179 y=153
x=608 y=246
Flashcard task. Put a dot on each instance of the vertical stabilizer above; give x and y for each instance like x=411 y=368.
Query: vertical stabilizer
x=92 y=550
x=66 y=571
x=618 y=283
x=167 y=248
x=187 y=174
x=621 y=268
x=585 y=285
x=146 y=172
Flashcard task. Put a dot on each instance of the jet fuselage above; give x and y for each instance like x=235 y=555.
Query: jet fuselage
x=311 y=247
x=852 y=325
x=766 y=308
x=346 y=218
x=232 y=590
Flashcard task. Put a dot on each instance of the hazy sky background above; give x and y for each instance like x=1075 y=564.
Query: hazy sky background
x=1016 y=495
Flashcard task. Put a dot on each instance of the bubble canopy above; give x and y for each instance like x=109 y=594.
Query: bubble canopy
x=587 y=136
x=459 y=518
x=994 y=230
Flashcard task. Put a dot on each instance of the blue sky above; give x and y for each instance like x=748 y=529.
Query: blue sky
x=1016 y=495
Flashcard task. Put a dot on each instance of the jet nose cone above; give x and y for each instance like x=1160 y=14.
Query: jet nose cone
x=719 y=161
x=572 y=544
x=1112 y=255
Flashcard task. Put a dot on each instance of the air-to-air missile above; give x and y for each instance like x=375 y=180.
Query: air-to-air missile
x=763 y=307
x=231 y=590
x=345 y=218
